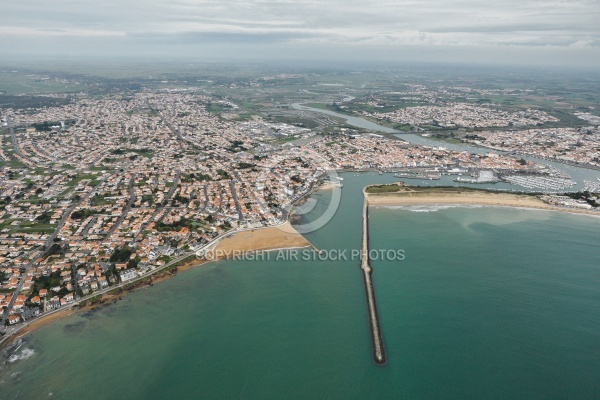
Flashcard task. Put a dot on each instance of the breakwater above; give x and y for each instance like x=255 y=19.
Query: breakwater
x=376 y=337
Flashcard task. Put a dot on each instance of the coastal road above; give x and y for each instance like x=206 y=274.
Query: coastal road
x=46 y=247
x=179 y=259
x=15 y=329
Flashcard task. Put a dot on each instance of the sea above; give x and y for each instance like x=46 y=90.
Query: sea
x=483 y=303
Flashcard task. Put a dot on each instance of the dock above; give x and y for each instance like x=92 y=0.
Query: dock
x=376 y=337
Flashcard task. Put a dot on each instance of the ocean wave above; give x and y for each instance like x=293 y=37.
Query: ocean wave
x=23 y=355
x=430 y=208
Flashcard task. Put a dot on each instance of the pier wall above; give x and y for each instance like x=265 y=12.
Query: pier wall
x=376 y=336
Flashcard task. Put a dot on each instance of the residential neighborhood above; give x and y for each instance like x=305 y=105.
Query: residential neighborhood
x=101 y=191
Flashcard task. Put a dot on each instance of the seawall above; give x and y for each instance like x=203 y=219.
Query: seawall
x=376 y=336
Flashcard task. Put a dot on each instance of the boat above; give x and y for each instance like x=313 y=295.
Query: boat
x=416 y=175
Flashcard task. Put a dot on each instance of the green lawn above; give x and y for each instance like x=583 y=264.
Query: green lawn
x=80 y=178
x=383 y=188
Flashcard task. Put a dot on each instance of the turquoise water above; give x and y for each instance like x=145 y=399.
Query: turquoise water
x=489 y=303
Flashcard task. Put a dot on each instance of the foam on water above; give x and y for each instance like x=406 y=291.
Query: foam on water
x=518 y=298
x=430 y=208
x=23 y=355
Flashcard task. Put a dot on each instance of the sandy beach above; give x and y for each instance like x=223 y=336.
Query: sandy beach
x=105 y=299
x=271 y=238
x=426 y=196
x=277 y=237
x=39 y=322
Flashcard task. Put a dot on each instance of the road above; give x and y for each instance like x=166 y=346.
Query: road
x=176 y=131
x=126 y=209
x=16 y=149
x=158 y=209
x=17 y=328
x=15 y=142
x=235 y=199
x=43 y=153
x=221 y=197
x=170 y=125
x=46 y=247
x=205 y=191
x=173 y=188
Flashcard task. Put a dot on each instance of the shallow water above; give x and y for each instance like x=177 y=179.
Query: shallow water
x=488 y=303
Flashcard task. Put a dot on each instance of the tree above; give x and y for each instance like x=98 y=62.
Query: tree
x=44 y=218
x=120 y=255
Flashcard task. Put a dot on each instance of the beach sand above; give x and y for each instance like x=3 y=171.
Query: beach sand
x=283 y=236
x=419 y=196
x=106 y=298
x=277 y=237
x=39 y=322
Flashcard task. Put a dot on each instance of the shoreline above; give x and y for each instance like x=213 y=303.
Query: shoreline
x=269 y=238
x=283 y=236
x=104 y=300
x=412 y=196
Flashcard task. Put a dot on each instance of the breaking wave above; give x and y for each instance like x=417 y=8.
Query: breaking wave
x=430 y=208
x=23 y=355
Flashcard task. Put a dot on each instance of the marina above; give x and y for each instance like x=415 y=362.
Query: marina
x=427 y=175
x=253 y=314
x=480 y=177
x=564 y=170
x=540 y=182
x=592 y=187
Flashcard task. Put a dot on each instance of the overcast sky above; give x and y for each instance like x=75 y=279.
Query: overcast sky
x=502 y=31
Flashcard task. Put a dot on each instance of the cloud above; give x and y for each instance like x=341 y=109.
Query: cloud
x=19 y=31
x=392 y=23
x=218 y=36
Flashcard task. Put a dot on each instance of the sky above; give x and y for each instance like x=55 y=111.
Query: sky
x=563 y=32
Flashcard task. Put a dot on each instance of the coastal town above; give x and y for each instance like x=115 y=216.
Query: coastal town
x=272 y=199
x=580 y=146
x=101 y=191
x=465 y=115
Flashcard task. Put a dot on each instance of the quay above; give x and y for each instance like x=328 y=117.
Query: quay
x=376 y=337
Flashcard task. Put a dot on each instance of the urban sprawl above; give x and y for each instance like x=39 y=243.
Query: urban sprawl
x=101 y=191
